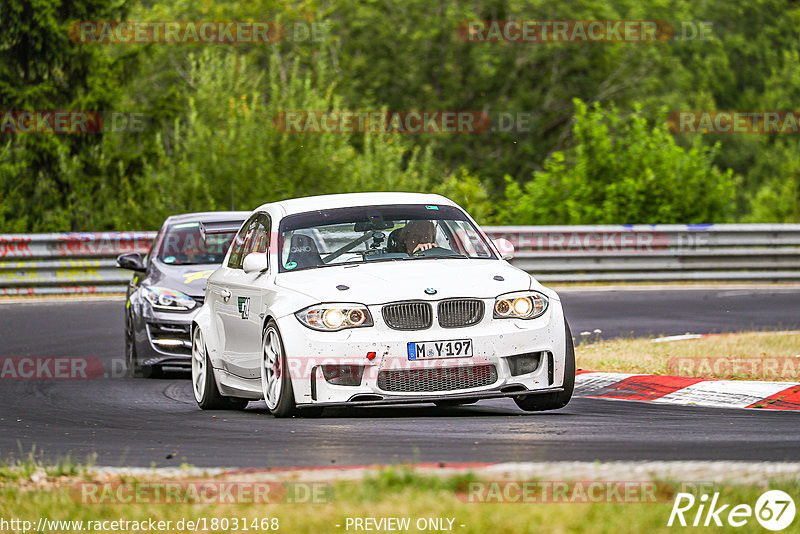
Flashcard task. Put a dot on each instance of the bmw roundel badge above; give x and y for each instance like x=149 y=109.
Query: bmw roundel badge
x=430 y=291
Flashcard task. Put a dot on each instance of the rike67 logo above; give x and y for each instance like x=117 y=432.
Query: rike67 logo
x=774 y=510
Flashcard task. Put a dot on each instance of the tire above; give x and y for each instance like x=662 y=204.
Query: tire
x=554 y=401
x=276 y=384
x=133 y=369
x=204 y=385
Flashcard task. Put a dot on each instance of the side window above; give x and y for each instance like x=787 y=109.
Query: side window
x=253 y=237
x=260 y=238
x=239 y=242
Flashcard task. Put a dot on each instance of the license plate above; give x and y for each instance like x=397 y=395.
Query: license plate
x=429 y=350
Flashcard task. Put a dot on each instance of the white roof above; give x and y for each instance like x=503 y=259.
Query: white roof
x=346 y=200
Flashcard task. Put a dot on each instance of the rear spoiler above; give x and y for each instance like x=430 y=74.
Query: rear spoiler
x=219 y=227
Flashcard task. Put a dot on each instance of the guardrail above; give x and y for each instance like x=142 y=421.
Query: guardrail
x=33 y=264
x=668 y=252
x=41 y=264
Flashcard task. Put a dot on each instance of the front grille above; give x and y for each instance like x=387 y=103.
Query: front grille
x=457 y=313
x=408 y=315
x=170 y=337
x=437 y=379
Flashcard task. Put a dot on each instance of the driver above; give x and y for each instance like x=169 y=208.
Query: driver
x=417 y=236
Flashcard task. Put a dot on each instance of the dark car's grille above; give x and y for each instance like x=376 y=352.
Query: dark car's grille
x=170 y=337
x=457 y=313
x=408 y=315
x=437 y=379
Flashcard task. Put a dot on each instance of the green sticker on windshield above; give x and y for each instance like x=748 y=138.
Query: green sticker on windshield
x=291 y=265
x=431 y=207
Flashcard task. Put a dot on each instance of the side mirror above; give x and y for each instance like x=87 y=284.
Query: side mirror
x=255 y=262
x=505 y=247
x=131 y=261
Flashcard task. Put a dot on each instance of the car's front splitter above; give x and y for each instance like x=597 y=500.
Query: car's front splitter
x=454 y=398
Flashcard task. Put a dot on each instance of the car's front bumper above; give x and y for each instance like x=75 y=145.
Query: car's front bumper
x=413 y=381
x=164 y=338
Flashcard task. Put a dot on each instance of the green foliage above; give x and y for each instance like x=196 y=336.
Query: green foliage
x=211 y=140
x=54 y=182
x=470 y=192
x=622 y=170
x=228 y=152
x=778 y=199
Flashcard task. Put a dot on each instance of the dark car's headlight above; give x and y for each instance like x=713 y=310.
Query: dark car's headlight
x=162 y=298
x=520 y=305
x=332 y=317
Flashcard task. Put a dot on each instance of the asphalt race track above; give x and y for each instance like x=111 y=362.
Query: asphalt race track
x=138 y=422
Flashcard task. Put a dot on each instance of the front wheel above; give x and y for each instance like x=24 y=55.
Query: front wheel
x=554 y=401
x=131 y=360
x=133 y=368
x=204 y=385
x=276 y=384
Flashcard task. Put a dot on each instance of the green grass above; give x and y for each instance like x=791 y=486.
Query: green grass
x=28 y=464
x=395 y=492
x=757 y=355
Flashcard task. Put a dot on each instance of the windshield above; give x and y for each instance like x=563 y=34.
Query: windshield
x=185 y=244
x=378 y=233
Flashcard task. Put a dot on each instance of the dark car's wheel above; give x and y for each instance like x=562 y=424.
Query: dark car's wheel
x=276 y=384
x=131 y=361
x=554 y=401
x=204 y=385
x=132 y=366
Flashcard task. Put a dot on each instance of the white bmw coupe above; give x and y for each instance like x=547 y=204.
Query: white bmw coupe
x=375 y=299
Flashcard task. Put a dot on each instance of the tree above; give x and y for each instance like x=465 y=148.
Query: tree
x=52 y=182
x=622 y=169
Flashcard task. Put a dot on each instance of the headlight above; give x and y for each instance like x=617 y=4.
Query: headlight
x=522 y=305
x=332 y=317
x=162 y=298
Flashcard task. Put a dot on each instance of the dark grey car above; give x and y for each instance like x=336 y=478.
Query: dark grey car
x=168 y=287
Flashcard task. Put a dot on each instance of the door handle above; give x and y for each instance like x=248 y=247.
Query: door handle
x=226 y=295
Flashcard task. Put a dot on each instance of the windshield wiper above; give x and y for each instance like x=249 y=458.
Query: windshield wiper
x=442 y=257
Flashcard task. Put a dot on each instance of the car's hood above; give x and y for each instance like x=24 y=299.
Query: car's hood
x=188 y=279
x=381 y=282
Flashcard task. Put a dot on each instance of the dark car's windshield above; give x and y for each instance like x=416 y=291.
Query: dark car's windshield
x=185 y=244
x=378 y=233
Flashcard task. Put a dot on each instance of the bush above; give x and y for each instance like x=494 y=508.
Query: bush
x=622 y=170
